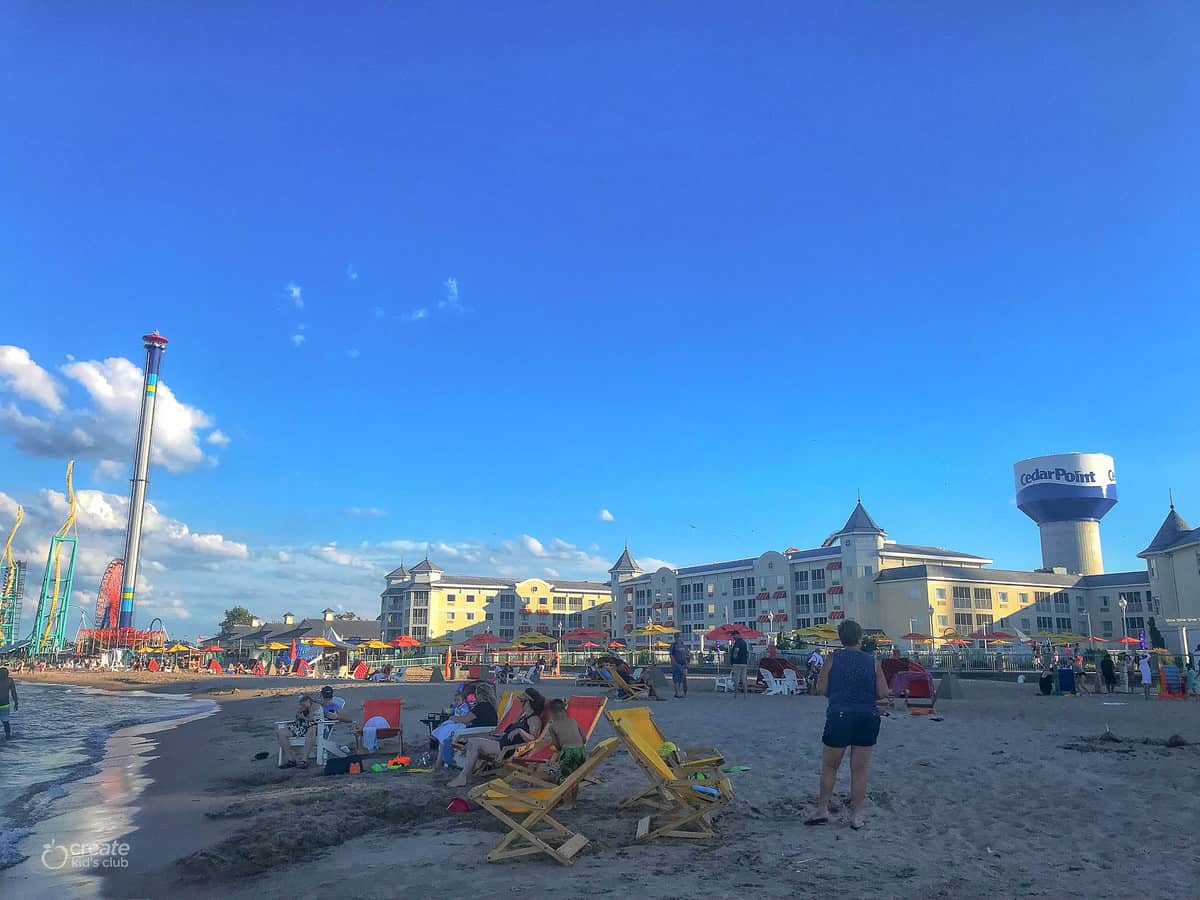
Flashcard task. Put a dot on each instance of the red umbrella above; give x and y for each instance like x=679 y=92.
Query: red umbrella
x=404 y=641
x=1095 y=640
x=616 y=645
x=294 y=654
x=915 y=636
x=726 y=632
x=589 y=644
x=485 y=637
x=585 y=634
x=1127 y=640
x=959 y=642
x=212 y=649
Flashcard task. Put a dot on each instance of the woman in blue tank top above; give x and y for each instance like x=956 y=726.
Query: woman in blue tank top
x=853 y=681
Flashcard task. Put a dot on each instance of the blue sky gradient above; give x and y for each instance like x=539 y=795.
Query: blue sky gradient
x=712 y=266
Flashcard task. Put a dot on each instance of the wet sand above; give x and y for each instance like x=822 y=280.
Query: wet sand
x=1010 y=795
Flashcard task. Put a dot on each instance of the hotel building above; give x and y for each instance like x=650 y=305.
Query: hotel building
x=424 y=602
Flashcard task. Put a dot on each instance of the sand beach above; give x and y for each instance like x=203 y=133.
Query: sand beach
x=1011 y=794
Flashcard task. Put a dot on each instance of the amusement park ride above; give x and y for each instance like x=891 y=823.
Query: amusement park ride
x=113 y=625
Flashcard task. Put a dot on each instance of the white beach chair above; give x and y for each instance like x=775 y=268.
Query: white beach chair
x=794 y=684
x=325 y=746
x=525 y=677
x=774 y=685
x=724 y=683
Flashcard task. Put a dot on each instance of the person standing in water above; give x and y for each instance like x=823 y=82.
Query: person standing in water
x=8 y=688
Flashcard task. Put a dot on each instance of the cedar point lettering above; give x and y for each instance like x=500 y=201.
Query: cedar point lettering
x=1061 y=474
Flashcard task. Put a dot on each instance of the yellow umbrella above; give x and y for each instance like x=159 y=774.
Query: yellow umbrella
x=660 y=645
x=178 y=648
x=274 y=645
x=374 y=645
x=535 y=637
x=318 y=642
x=146 y=650
x=437 y=642
x=654 y=628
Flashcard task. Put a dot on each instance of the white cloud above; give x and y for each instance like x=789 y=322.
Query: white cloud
x=218 y=438
x=651 y=564
x=604 y=515
x=418 y=314
x=450 y=299
x=353 y=353
x=296 y=293
x=331 y=553
x=351 y=272
x=550 y=572
x=533 y=545
x=105 y=428
x=365 y=512
x=298 y=340
x=108 y=469
x=29 y=381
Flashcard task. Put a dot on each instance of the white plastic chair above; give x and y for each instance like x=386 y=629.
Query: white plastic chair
x=794 y=684
x=774 y=685
x=724 y=683
x=525 y=677
x=325 y=746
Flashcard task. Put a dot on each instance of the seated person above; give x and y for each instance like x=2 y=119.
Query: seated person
x=527 y=728
x=482 y=713
x=646 y=678
x=460 y=708
x=568 y=738
x=308 y=714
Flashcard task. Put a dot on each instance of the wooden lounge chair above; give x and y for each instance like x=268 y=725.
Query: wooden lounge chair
x=687 y=760
x=530 y=766
x=531 y=834
x=621 y=686
x=685 y=807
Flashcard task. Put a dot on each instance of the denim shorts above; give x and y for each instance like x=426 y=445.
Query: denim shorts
x=850 y=729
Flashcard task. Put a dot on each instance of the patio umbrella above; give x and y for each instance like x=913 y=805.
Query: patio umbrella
x=178 y=648
x=916 y=636
x=404 y=641
x=274 y=645
x=213 y=648
x=589 y=644
x=1127 y=641
x=319 y=642
x=373 y=645
x=1095 y=640
x=661 y=645
x=725 y=633
x=535 y=637
x=585 y=634
x=438 y=642
x=959 y=642
x=617 y=645
x=654 y=628
x=484 y=637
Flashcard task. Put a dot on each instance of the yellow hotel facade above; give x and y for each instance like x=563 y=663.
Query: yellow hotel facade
x=424 y=602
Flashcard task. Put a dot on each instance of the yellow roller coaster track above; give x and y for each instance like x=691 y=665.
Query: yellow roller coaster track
x=66 y=530
x=10 y=571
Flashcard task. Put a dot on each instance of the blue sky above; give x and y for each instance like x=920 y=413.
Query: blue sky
x=694 y=265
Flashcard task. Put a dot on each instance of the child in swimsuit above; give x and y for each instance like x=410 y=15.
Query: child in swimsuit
x=566 y=735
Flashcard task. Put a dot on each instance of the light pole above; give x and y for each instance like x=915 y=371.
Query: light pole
x=1123 y=603
x=932 y=642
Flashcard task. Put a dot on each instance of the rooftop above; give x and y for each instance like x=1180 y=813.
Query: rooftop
x=919 y=550
x=1174 y=532
x=1010 y=576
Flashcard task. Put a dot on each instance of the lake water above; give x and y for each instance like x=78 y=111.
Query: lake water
x=54 y=770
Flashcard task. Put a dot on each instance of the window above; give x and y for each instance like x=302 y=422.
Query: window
x=506 y=634
x=508 y=601
x=739 y=607
x=1003 y=595
x=963 y=622
x=1041 y=600
x=1106 y=628
x=1079 y=604
x=470 y=598
x=867 y=571
x=819 y=620
x=1062 y=602
x=817 y=579
x=943 y=621
x=739 y=587
x=1134 y=624
x=543 y=601
x=750 y=605
x=575 y=602
x=818 y=603
x=983 y=621
x=836 y=576
x=1152 y=567
x=506 y=618
x=560 y=604
x=420 y=633
x=1062 y=624
x=940 y=593
x=983 y=598
x=1024 y=624
x=420 y=598
x=801 y=580
x=533 y=589
x=470 y=617
x=420 y=617
x=1023 y=599
x=1133 y=598
x=1104 y=601
x=487 y=617
x=450 y=598
x=1045 y=623
x=685 y=592
x=750 y=585
x=803 y=623
x=962 y=598
x=449 y=615
x=802 y=607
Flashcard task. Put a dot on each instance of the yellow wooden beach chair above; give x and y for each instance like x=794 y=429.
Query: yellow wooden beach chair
x=536 y=828
x=686 y=806
x=620 y=685
x=639 y=720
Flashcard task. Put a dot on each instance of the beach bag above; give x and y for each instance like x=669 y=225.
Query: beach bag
x=340 y=765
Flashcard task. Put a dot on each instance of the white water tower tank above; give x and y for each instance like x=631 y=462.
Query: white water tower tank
x=1067 y=494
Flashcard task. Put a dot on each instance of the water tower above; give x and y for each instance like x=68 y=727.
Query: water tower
x=1067 y=495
